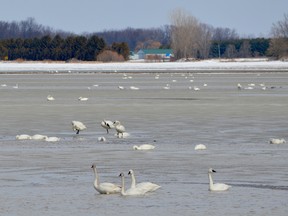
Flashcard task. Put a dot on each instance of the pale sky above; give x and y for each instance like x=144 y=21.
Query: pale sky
x=248 y=17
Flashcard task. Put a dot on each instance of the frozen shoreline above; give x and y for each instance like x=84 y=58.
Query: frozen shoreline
x=215 y=66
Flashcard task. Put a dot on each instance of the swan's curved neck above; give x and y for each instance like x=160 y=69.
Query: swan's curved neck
x=96 y=181
x=210 y=179
x=133 y=180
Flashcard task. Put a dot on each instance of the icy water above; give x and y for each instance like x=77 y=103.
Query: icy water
x=55 y=178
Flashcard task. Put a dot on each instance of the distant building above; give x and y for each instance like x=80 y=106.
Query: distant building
x=155 y=54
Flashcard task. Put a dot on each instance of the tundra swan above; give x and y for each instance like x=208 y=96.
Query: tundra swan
x=130 y=191
x=52 y=139
x=78 y=126
x=239 y=86
x=119 y=128
x=50 y=98
x=102 y=139
x=38 y=137
x=144 y=147
x=200 y=147
x=134 y=88
x=107 y=125
x=277 y=141
x=23 y=137
x=145 y=186
x=216 y=186
x=105 y=187
x=82 y=98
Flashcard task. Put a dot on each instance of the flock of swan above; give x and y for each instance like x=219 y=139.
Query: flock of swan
x=143 y=187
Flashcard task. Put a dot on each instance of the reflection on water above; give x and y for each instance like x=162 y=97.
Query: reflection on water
x=55 y=178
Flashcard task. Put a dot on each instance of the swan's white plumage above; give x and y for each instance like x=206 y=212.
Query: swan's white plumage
x=144 y=186
x=50 y=98
x=216 y=186
x=78 y=126
x=277 y=141
x=119 y=127
x=23 y=137
x=130 y=191
x=102 y=139
x=107 y=124
x=105 y=187
x=39 y=137
x=200 y=147
x=144 y=147
x=52 y=139
x=83 y=98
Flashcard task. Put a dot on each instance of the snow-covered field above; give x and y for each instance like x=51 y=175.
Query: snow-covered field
x=196 y=66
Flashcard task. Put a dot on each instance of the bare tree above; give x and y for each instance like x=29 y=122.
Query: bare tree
x=204 y=42
x=279 y=43
x=245 y=49
x=185 y=34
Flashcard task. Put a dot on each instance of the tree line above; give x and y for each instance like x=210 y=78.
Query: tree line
x=188 y=38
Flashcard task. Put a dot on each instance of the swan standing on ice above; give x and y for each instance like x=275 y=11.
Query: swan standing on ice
x=50 y=98
x=216 y=186
x=200 y=147
x=107 y=125
x=144 y=147
x=105 y=187
x=145 y=186
x=78 y=126
x=277 y=141
x=130 y=191
x=119 y=128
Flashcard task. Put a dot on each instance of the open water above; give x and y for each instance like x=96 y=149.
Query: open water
x=55 y=178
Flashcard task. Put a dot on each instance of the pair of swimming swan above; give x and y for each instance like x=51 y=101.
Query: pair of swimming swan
x=110 y=188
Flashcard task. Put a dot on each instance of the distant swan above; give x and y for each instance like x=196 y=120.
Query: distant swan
x=39 y=137
x=130 y=191
x=277 y=141
x=102 y=139
x=144 y=147
x=200 y=147
x=107 y=125
x=78 y=126
x=82 y=98
x=105 y=187
x=145 y=186
x=119 y=128
x=52 y=139
x=50 y=98
x=216 y=186
x=23 y=137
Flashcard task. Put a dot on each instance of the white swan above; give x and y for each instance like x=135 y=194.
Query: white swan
x=144 y=186
x=119 y=128
x=130 y=191
x=144 y=147
x=277 y=141
x=200 y=147
x=105 y=187
x=83 y=99
x=102 y=139
x=78 y=126
x=107 y=125
x=23 y=137
x=52 y=139
x=38 y=137
x=239 y=86
x=50 y=98
x=134 y=88
x=216 y=186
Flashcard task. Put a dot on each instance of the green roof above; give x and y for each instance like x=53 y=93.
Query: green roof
x=157 y=51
